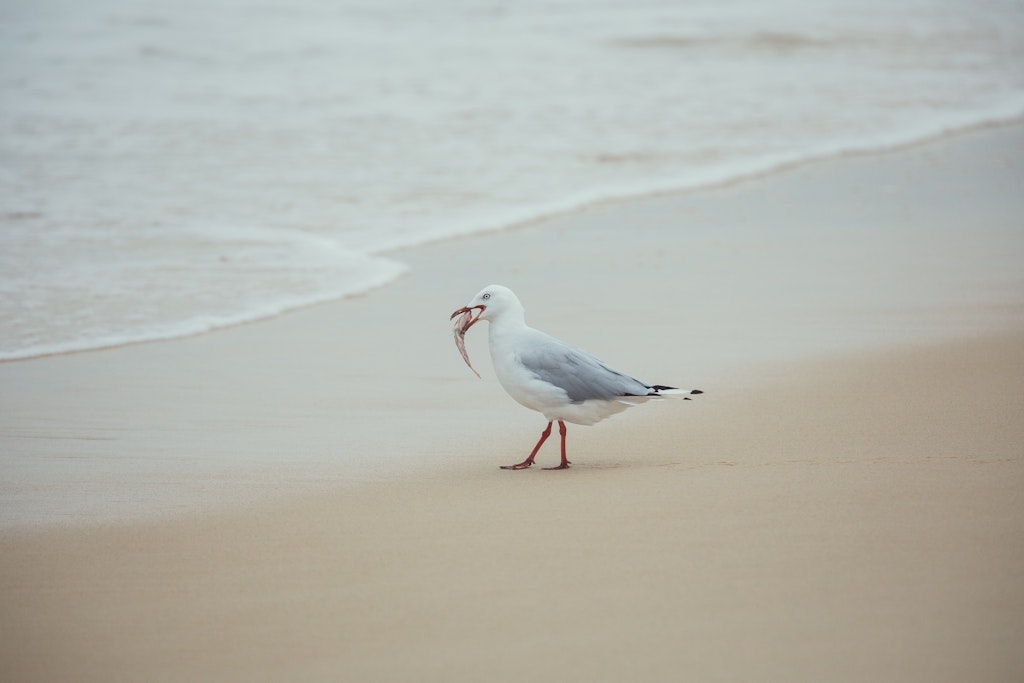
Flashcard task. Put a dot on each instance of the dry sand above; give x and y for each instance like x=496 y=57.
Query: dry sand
x=845 y=503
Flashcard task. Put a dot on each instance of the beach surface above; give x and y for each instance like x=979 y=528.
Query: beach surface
x=317 y=496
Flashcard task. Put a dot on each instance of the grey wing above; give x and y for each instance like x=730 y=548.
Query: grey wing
x=581 y=375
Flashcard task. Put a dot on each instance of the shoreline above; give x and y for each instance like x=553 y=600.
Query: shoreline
x=536 y=219
x=310 y=399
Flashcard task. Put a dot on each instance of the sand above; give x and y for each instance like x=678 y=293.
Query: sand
x=844 y=503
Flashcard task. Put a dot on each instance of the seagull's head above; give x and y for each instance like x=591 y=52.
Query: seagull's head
x=491 y=302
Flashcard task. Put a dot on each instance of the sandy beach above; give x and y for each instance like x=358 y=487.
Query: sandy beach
x=317 y=496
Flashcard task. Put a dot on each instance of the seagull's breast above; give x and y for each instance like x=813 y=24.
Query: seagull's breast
x=508 y=349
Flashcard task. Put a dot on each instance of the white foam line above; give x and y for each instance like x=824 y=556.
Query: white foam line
x=391 y=271
x=1009 y=114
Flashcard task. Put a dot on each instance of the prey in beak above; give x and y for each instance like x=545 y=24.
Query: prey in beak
x=465 y=321
x=468 y=319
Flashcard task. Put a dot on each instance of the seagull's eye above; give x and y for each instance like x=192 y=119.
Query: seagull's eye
x=485 y=297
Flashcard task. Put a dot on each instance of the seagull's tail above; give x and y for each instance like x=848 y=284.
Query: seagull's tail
x=672 y=392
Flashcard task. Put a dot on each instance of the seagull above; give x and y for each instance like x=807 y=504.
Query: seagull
x=560 y=381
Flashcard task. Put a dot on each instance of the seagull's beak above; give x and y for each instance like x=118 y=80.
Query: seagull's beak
x=469 y=309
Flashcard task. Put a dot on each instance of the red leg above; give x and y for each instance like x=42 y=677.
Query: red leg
x=529 y=461
x=565 y=461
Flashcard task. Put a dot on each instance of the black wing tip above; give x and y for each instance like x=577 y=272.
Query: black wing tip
x=662 y=387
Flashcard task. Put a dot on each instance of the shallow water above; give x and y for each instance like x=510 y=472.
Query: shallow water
x=169 y=169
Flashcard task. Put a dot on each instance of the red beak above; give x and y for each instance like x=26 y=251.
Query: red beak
x=467 y=309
